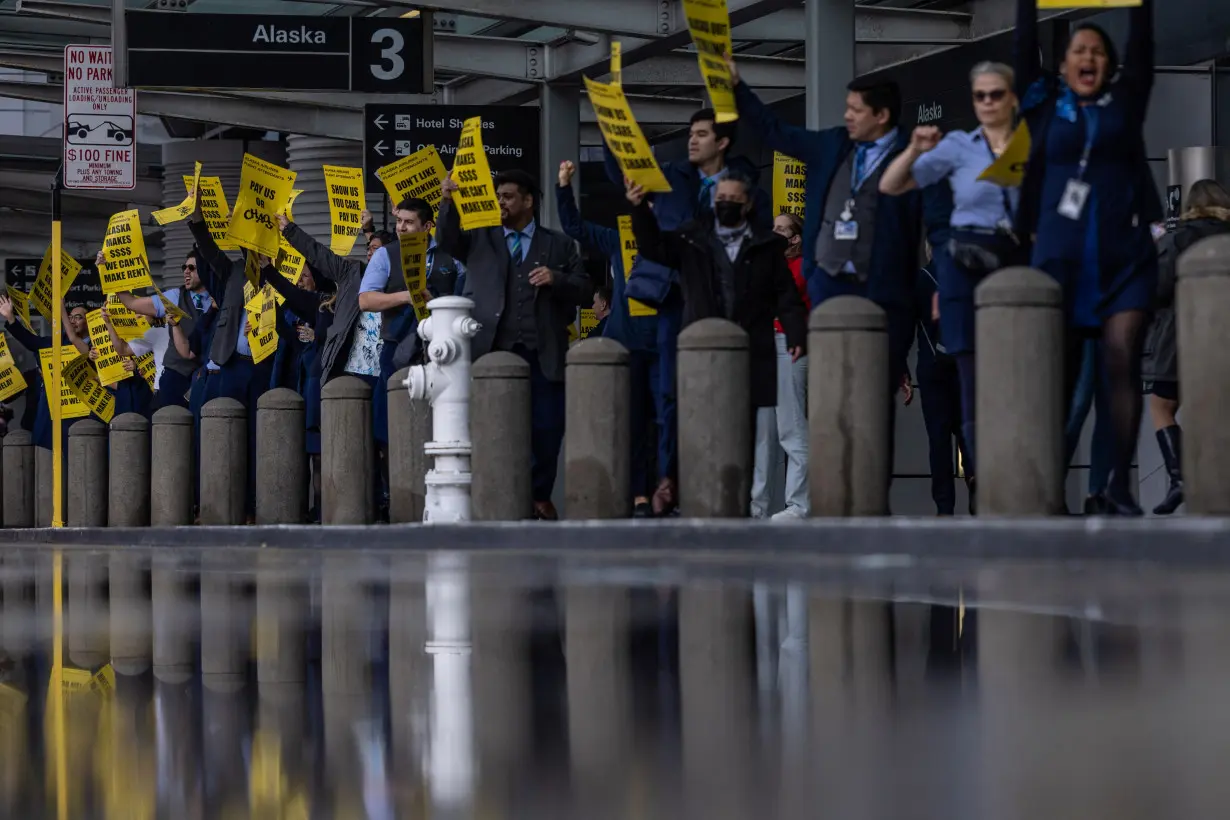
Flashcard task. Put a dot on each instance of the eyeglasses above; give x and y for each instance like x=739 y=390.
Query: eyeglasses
x=992 y=96
x=188 y=268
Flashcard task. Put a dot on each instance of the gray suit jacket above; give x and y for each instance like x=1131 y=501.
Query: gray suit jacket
x=484 y=252
x=346 y=274
x=228 y=278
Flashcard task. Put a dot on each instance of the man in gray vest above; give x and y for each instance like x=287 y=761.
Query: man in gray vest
x=526 y=282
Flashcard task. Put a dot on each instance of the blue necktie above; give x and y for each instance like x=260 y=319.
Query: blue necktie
x=860 y=163
x=515 y=250
x=705 y=200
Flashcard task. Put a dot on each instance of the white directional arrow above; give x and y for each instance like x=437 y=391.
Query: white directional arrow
x=379 y=148
x=379 y=121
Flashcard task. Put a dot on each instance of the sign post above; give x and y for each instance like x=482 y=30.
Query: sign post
x=100 y=122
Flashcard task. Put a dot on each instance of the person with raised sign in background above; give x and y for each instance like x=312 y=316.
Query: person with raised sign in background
x=639 y=335
x=132 y=394
x=527 y=282
x=1089 y=199
x=74 y=328
x=728 y=269
x=983 y=234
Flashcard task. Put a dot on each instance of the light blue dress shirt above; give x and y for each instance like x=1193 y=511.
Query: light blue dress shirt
x=877 y=152
x=376 y=274
x=201 y=300
x=960 y=157
x=527 y=238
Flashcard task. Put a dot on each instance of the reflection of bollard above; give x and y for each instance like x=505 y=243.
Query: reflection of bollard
x=445 y=382
x=1019 y=382
x=129 y=487
x=225 y=627
x=171 y=467
x=282 y=612
x=175 y=618
x=281 y=458
x=500 y=420
x=87 y=633
x=1204 y=278
x=597 y=439
x=18 y=469
x=715 y=420
x=347 y=494
x=409 y=432
x=847 y=381
x=130 y=614
x=224 y=462
x=87 y=474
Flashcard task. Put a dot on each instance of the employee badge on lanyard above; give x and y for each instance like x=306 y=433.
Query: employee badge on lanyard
x=845 y=228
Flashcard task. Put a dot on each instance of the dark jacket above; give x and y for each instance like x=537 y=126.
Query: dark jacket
x=1161 y=358
x=894 y=260
x=224 y=282
x=650 y=282
x=484 y=252
x=764 y=288
x=345 y=274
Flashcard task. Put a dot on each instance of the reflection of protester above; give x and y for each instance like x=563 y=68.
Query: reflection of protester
x=1208 y=214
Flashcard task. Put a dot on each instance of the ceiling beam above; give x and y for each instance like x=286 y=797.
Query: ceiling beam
x=872 y=24
x=679 y=68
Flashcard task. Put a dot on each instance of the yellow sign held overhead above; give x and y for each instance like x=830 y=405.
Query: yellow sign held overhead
x=709 y=25
x=80 y=378
x=624 y=136
x=617 y=63
x=214 y=210
x=627 y=249
x=346 y=204
x=70 y=406
x=474 y=198
x=40 y=294
x=264 y=190
x=420 y=175
x=21 y=306
x=789 y=184
x=125 y=263
x=109 y=364
x=414 y=269
x=11 y=381
x=184 y=209
x=1008 y=170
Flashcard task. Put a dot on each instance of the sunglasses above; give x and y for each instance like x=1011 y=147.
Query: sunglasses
x=187 y=268
x=991 y=96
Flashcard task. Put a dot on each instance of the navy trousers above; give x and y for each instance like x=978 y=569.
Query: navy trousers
x=173 y=389
x=547 y=412
x=941 y=406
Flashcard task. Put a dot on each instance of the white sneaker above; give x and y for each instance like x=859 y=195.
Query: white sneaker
x=789 y=514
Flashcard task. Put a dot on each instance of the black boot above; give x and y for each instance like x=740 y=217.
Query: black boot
x=1118 y=496
x=970 y=462
x=1170 y=442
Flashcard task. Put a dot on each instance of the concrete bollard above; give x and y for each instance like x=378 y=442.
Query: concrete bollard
x=1019 y=404
x=715 y=420
x=281 y=458
x=500 y=438
x=18 y=469
x=224 y=462
x=43 y=464
x=848 y=415
x=347 y=456
x=597 y=443
x=171 y=468
x=409 y=432
x=128 y=501
x=1204 y=276
x=87 y=474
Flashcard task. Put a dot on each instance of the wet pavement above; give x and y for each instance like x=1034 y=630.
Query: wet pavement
x=520 y=683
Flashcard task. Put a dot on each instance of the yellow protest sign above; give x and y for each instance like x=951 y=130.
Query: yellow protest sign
x=789 y=181
x=262 y=324
x=346 y=202
x=264 y=190
x=11 y=381
x=128 y=325
x=148 y=368
x=80 y=378
x=71 y=407
x=263 y=344
x=268 y=321
x=214 y=210
x=169 y=308
x=252 y=268
x=419 y=175
x=709 y=25
x=289 y=261
x=475 y=195
x=627 y=252
x=624 y=136
x=125 y=264
x=184 y=209
x=109 y=364
x=21 y=306
x=40 y=294
x=414 y=269
x=617 y=63
x=1087 y=4
x=1008 y=170
x=589 y=321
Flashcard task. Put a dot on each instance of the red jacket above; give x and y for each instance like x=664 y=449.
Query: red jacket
x=796 y=268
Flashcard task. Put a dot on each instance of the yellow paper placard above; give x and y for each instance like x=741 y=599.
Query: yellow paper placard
x=475 y=195
x=125 y=264
x=268 y=321
x=624 y=137
x=214 y=209
x=1087 y=4
x=80 y=378
x=127 y=324
x=289 y=261
x=627 y=251
x=264 y=189
x=414 y=269
x=109 y=364
x=148 y=368
x=589 y=321
x=1008 y=171
x=617 y=63
x=21 y=306
x=171 y=309
x=252 y=268
x=789 y=181
x=346 y=203
x=40 y=294
x=420 y=175
x=263 y=344
x=11 y=381
x=71 y=407
x=181 y=211
x=709 y=25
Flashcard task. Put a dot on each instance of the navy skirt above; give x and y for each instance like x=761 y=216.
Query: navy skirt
x=311 y=401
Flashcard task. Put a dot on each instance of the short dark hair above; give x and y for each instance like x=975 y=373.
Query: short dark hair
x=386 y=238
x=721 y=130
x=521 y=179
x=741 y=178
x=604 y=293
x=879 y=96
x=1112 y=55
x=420 y=207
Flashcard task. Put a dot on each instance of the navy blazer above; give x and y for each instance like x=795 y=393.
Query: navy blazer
x=895 y=257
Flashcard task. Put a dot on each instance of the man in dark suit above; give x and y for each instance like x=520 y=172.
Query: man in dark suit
x=526 y=283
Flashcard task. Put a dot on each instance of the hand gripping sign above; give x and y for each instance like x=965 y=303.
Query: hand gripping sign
x=184 y=209
x=624 y=137
x=475 y=195
x=346 y=203
x=709 y=25
x=214 y=209
x=264 y=189
x=419 y=175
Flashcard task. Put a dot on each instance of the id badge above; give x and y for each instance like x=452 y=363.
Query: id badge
x=1075 y=195
x=845 y=231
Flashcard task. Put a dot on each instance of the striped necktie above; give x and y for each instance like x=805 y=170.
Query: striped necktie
x=860 y=163
x=515 y=249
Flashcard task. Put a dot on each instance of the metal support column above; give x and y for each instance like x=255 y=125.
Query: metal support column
x=561 y=140
x=829 y=59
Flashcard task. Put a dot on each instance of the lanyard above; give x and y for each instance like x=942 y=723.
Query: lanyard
x=1091 y=133
x=868 y=173
x=1003 y=191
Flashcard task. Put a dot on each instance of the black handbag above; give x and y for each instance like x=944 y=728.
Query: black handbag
x=983 y=253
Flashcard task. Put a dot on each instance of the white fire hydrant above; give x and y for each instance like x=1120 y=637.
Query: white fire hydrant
x=445 y=382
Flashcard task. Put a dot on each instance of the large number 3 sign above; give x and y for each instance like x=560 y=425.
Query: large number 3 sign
x=391 y=44
x=388 y=55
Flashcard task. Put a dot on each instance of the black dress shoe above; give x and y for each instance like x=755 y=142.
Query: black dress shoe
x=643 y=510
x=1122 y=505
x=1096 y=505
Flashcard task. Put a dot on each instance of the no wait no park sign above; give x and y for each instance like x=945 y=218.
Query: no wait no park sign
x=100 y=122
